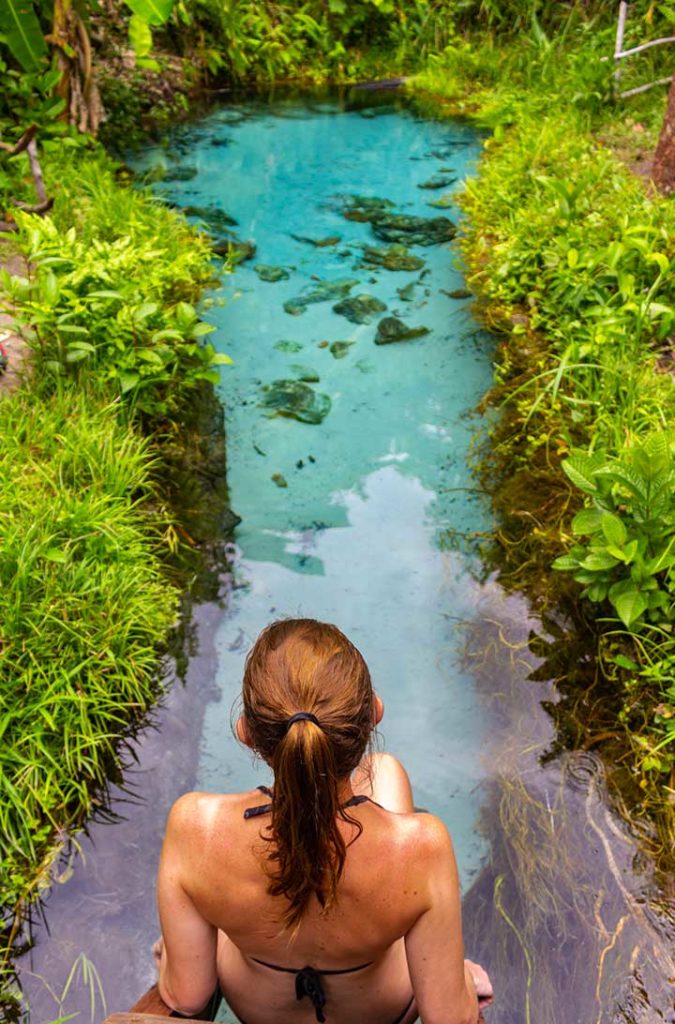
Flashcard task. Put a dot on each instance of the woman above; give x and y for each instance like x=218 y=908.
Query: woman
x=326 y=898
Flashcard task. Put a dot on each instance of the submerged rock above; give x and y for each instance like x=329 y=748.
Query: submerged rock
x=458 y=293
x=406 y=229
x=393 y=257
x=360 y=309
x=180 y=174
x=407 y=293
x=318 y=243
x=214 y=217
x=295 y=399
x=392 y=329
x=220 y=141
x=365 y=208
x=279 y=479
x=339 y=349
x=305 y=373
x=438 y=181
x=234 y=249
x=443 y=203
x=267 y=272
x=287 y=346
x=324 y=291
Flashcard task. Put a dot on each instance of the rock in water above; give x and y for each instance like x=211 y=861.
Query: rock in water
x=295 y=399
x=279 y=479
x=287 y=346
x=339 y=349
x=318 y=243
x=266 y=272
x=392 y=329
x=360 y=309
x=407 y=293
x=405 y=229
x=216 y=219
x=305 y=373
x=438 y=181
x=180 y=174
x=322 y=292
x=458 y=293
x=365 y=208
x=392 y=257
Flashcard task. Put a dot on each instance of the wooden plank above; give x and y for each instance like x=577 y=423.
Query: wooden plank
x=151 y=1002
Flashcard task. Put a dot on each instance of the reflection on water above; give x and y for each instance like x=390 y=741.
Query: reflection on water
x=341 y=520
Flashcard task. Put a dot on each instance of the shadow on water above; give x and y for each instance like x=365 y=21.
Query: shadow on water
x=559 y=905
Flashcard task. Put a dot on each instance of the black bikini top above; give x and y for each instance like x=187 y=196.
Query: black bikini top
x=255 y=812
x=307 y=979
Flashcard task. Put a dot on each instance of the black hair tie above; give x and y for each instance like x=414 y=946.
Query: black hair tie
x=302 y=716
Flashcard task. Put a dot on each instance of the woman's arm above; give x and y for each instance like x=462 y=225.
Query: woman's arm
x=187 y=965
x=443 y=983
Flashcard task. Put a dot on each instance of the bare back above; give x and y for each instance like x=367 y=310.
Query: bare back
x=213 y=879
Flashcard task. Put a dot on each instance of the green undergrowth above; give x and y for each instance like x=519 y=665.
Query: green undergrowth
x=92 y=447
x=571 y=255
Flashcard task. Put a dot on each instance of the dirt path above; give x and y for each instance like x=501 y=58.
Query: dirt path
x=16 y=347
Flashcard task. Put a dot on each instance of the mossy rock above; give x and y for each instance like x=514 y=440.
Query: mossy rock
x=324 y=291
x=392 y=257
x=404 y=229
x=271 y=274
x=360 y=309
x=407 y=293
x=214 y=217
x=305 y=373
x=295 y=399
x=180 y=174
x=365 y=208
x=339 y=349
x=438 y=181
x=318 y=243
x=287 y=346
x=391 y=329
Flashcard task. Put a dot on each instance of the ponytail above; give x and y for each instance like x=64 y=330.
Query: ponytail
x=308 y=705
x=307 y=845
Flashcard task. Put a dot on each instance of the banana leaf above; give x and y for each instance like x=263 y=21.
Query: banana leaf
x=21 y=32
x=153 y=12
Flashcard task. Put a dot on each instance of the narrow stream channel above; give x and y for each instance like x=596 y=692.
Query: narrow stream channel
x=351 y=514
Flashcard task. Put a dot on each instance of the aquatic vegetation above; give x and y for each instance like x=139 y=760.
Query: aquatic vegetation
x=321 y=292
x=271 y=274
x=339 y=349
x=391 y=329
x=288 y=346
x=319 y=243
x=360 y=309
x=295 y=399
x=305 y=373
x=392 y=257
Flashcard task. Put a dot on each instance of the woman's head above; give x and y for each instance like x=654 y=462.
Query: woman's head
x=301 y=665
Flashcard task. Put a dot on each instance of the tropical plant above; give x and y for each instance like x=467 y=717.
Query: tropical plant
x=630 y=552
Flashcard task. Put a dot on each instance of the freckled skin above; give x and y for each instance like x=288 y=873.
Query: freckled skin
x=398 y=907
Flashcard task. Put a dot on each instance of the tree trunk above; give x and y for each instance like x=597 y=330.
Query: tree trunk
x=664 y=157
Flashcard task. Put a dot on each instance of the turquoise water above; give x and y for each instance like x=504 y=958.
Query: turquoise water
x=354 y=536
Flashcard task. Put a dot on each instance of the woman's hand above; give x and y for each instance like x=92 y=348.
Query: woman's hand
x=484 y=989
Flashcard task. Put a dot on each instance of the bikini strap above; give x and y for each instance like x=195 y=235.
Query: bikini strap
x=298 y=970
x=256 y=812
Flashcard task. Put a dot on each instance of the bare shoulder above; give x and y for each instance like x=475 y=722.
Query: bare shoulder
x=427 y=838
x=198 y=814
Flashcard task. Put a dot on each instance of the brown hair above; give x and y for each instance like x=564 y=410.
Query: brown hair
x=304 y=665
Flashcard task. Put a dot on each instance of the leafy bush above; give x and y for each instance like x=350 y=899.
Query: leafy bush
x=630 y=554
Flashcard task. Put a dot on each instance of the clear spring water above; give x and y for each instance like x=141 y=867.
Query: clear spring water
x=357 y=537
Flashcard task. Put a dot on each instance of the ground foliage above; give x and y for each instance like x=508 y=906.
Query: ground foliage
x=88 y=594
x=572 y=257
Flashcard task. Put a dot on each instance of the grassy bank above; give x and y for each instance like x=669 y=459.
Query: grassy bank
x=571 y=256
x=88 y=597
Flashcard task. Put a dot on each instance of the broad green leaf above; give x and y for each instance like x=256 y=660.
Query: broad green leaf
x=614 y=530
x=128 y=381
x=154 y=12
x=140 y=36
x=666 y=560
x=599 y=561
x=597 y=591
x=587 y=521
x=581 y=471
x=55 y=555
x=22 y=33
x=220 y=359
x=628 y=601
x=565 y=563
